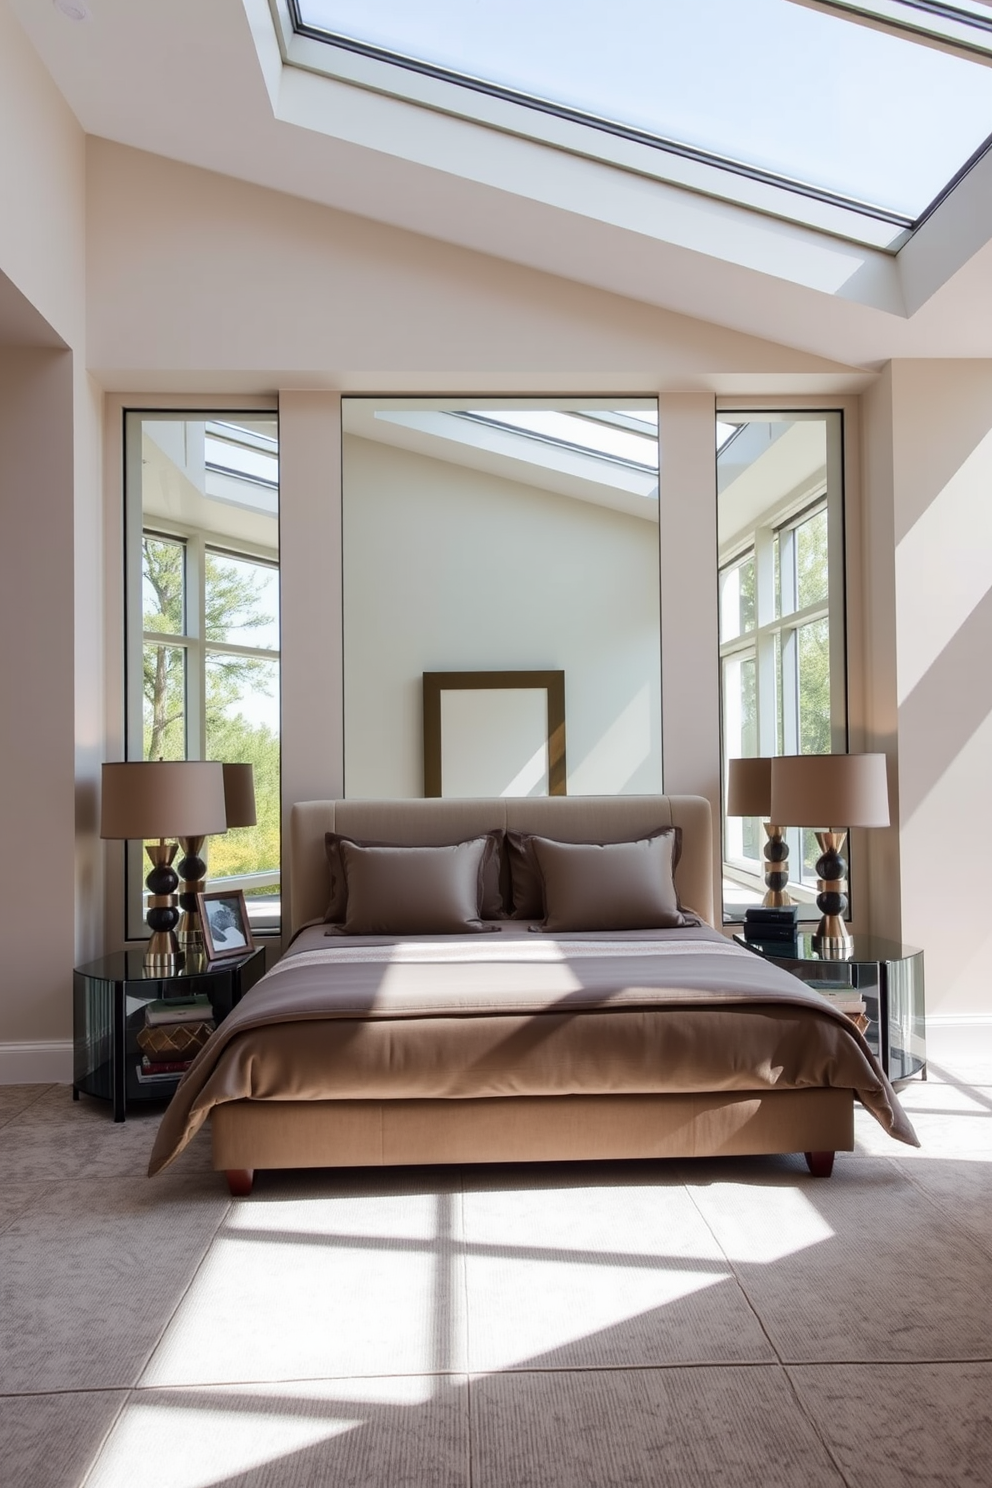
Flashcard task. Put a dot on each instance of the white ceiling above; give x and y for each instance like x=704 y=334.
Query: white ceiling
x=204 y=84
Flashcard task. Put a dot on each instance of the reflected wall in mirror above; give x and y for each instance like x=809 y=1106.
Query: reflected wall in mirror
x=502 y=535
x=780 y=522
x=202 y=567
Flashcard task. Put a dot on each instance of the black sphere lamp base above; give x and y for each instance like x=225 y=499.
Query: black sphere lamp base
x=162 y=953
x=832 y=938
x=776 y=852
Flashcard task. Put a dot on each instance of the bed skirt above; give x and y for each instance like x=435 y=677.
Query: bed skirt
x=354 y=1133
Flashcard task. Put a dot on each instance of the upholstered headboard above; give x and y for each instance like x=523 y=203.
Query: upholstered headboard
x=435 y=821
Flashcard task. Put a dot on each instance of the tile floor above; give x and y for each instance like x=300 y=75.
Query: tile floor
x=583 y=1326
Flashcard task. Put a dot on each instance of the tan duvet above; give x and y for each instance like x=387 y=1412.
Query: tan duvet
x=517 y=1013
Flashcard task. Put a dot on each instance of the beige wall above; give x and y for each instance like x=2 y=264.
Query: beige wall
x=36 y=685
x=54 y=625
x=42 y=187
x=941 y=442
x=197 y=281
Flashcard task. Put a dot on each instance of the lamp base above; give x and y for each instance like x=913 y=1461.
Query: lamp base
x=776 y=854
x=190 y=869
x=162 y=952
x=832 y=939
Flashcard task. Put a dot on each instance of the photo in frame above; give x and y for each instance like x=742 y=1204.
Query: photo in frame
x=224 y=918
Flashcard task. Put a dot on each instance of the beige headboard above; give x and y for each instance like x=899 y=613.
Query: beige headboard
x=435 y=821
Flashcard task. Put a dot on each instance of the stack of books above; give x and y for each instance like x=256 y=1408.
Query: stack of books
x=174 y=1032
x=846 y=999
x=774 y=927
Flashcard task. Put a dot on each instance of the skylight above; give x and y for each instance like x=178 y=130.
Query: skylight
x=823 y=113
x=604 y=435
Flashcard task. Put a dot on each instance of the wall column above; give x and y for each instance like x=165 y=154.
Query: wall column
x=310 y=574
x=690 y=639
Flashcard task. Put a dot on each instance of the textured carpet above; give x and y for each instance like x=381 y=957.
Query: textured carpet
x=711 y=1323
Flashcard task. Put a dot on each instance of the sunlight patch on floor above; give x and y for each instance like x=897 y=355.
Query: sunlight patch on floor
x=183 y=1446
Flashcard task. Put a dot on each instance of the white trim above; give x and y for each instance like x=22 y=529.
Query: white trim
x=37 y=1063
x=959 y=1020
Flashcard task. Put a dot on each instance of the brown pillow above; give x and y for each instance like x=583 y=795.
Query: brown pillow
x=526 y=884
x=337 y=906
x=414 y=890
x=610 y=885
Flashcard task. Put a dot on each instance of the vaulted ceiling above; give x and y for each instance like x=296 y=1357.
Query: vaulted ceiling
x=210 y=85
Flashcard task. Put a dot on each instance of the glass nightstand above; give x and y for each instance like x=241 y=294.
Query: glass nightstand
x=109 y=999
x=889 y=978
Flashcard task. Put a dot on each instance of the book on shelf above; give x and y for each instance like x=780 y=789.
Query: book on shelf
x=847 y=999
x=164 y=1066
x=178 y=1010
x=146 y=1077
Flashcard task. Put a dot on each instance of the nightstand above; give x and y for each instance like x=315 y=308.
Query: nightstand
x=889 y=978
x=109 y=1001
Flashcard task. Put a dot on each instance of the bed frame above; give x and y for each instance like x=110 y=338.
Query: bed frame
x=291 y=1134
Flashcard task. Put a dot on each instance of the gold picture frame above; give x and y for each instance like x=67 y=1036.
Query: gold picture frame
x=226 y=929
x=550 y=682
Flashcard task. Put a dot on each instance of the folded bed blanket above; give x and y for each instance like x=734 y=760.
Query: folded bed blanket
x=518 y=1013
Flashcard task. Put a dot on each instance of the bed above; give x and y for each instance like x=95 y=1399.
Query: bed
x=579 y=1025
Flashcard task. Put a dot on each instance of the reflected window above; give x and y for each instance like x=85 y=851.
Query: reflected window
x=783 y=682
x=203 y=625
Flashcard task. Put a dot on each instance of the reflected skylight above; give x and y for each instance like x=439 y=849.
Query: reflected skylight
x=235 y=450
x=607 y=436
x=804 y=99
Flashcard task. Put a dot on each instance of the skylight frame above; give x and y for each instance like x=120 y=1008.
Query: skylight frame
x=666 y=160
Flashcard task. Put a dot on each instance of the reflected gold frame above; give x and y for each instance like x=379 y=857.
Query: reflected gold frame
x=551 y=682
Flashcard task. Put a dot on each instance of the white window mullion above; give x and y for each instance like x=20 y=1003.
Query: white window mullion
x=196 y=624
x=836 y=571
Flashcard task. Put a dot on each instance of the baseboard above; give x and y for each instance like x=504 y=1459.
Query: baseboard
x=959 y=1020
x=48 y=1063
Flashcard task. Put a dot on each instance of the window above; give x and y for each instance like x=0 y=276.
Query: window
x=782 y=662
x=787 y=108
x=203 y=624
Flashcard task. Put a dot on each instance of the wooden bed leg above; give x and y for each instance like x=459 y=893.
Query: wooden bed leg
x=820 y=1164
x=239 y=1181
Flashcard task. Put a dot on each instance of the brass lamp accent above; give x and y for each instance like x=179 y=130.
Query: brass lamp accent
x=239 y=806
x=809 y=790
x=749 y=793
x=143 y=799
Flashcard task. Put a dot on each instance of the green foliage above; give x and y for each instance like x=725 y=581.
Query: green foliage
x=232 y=604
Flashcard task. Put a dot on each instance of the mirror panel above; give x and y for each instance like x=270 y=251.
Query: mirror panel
x=780 y=522
x=495 y=535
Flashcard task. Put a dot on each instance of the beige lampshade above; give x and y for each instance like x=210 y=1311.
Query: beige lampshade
x=239 y=794
x=749 y=787
x=142 y=799
x=830 y=791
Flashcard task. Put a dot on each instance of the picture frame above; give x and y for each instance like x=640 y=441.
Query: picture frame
x=224 y=920
x=547 y=685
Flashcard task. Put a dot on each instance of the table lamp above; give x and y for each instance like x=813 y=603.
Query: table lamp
x=816 y=790
x=144 y=799
x=239 y=807
x=749 y=793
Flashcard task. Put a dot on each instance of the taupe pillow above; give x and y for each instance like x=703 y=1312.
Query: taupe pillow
x=526 y=884
x=337 y=905
x=610 y=885
x=414 y=890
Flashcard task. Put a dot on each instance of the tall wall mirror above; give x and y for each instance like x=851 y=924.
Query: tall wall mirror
x=780 y=522
x=502 y=535
x=203 y=635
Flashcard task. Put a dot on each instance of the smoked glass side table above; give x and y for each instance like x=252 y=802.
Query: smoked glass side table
x=889 y=978
x=108 y=1011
